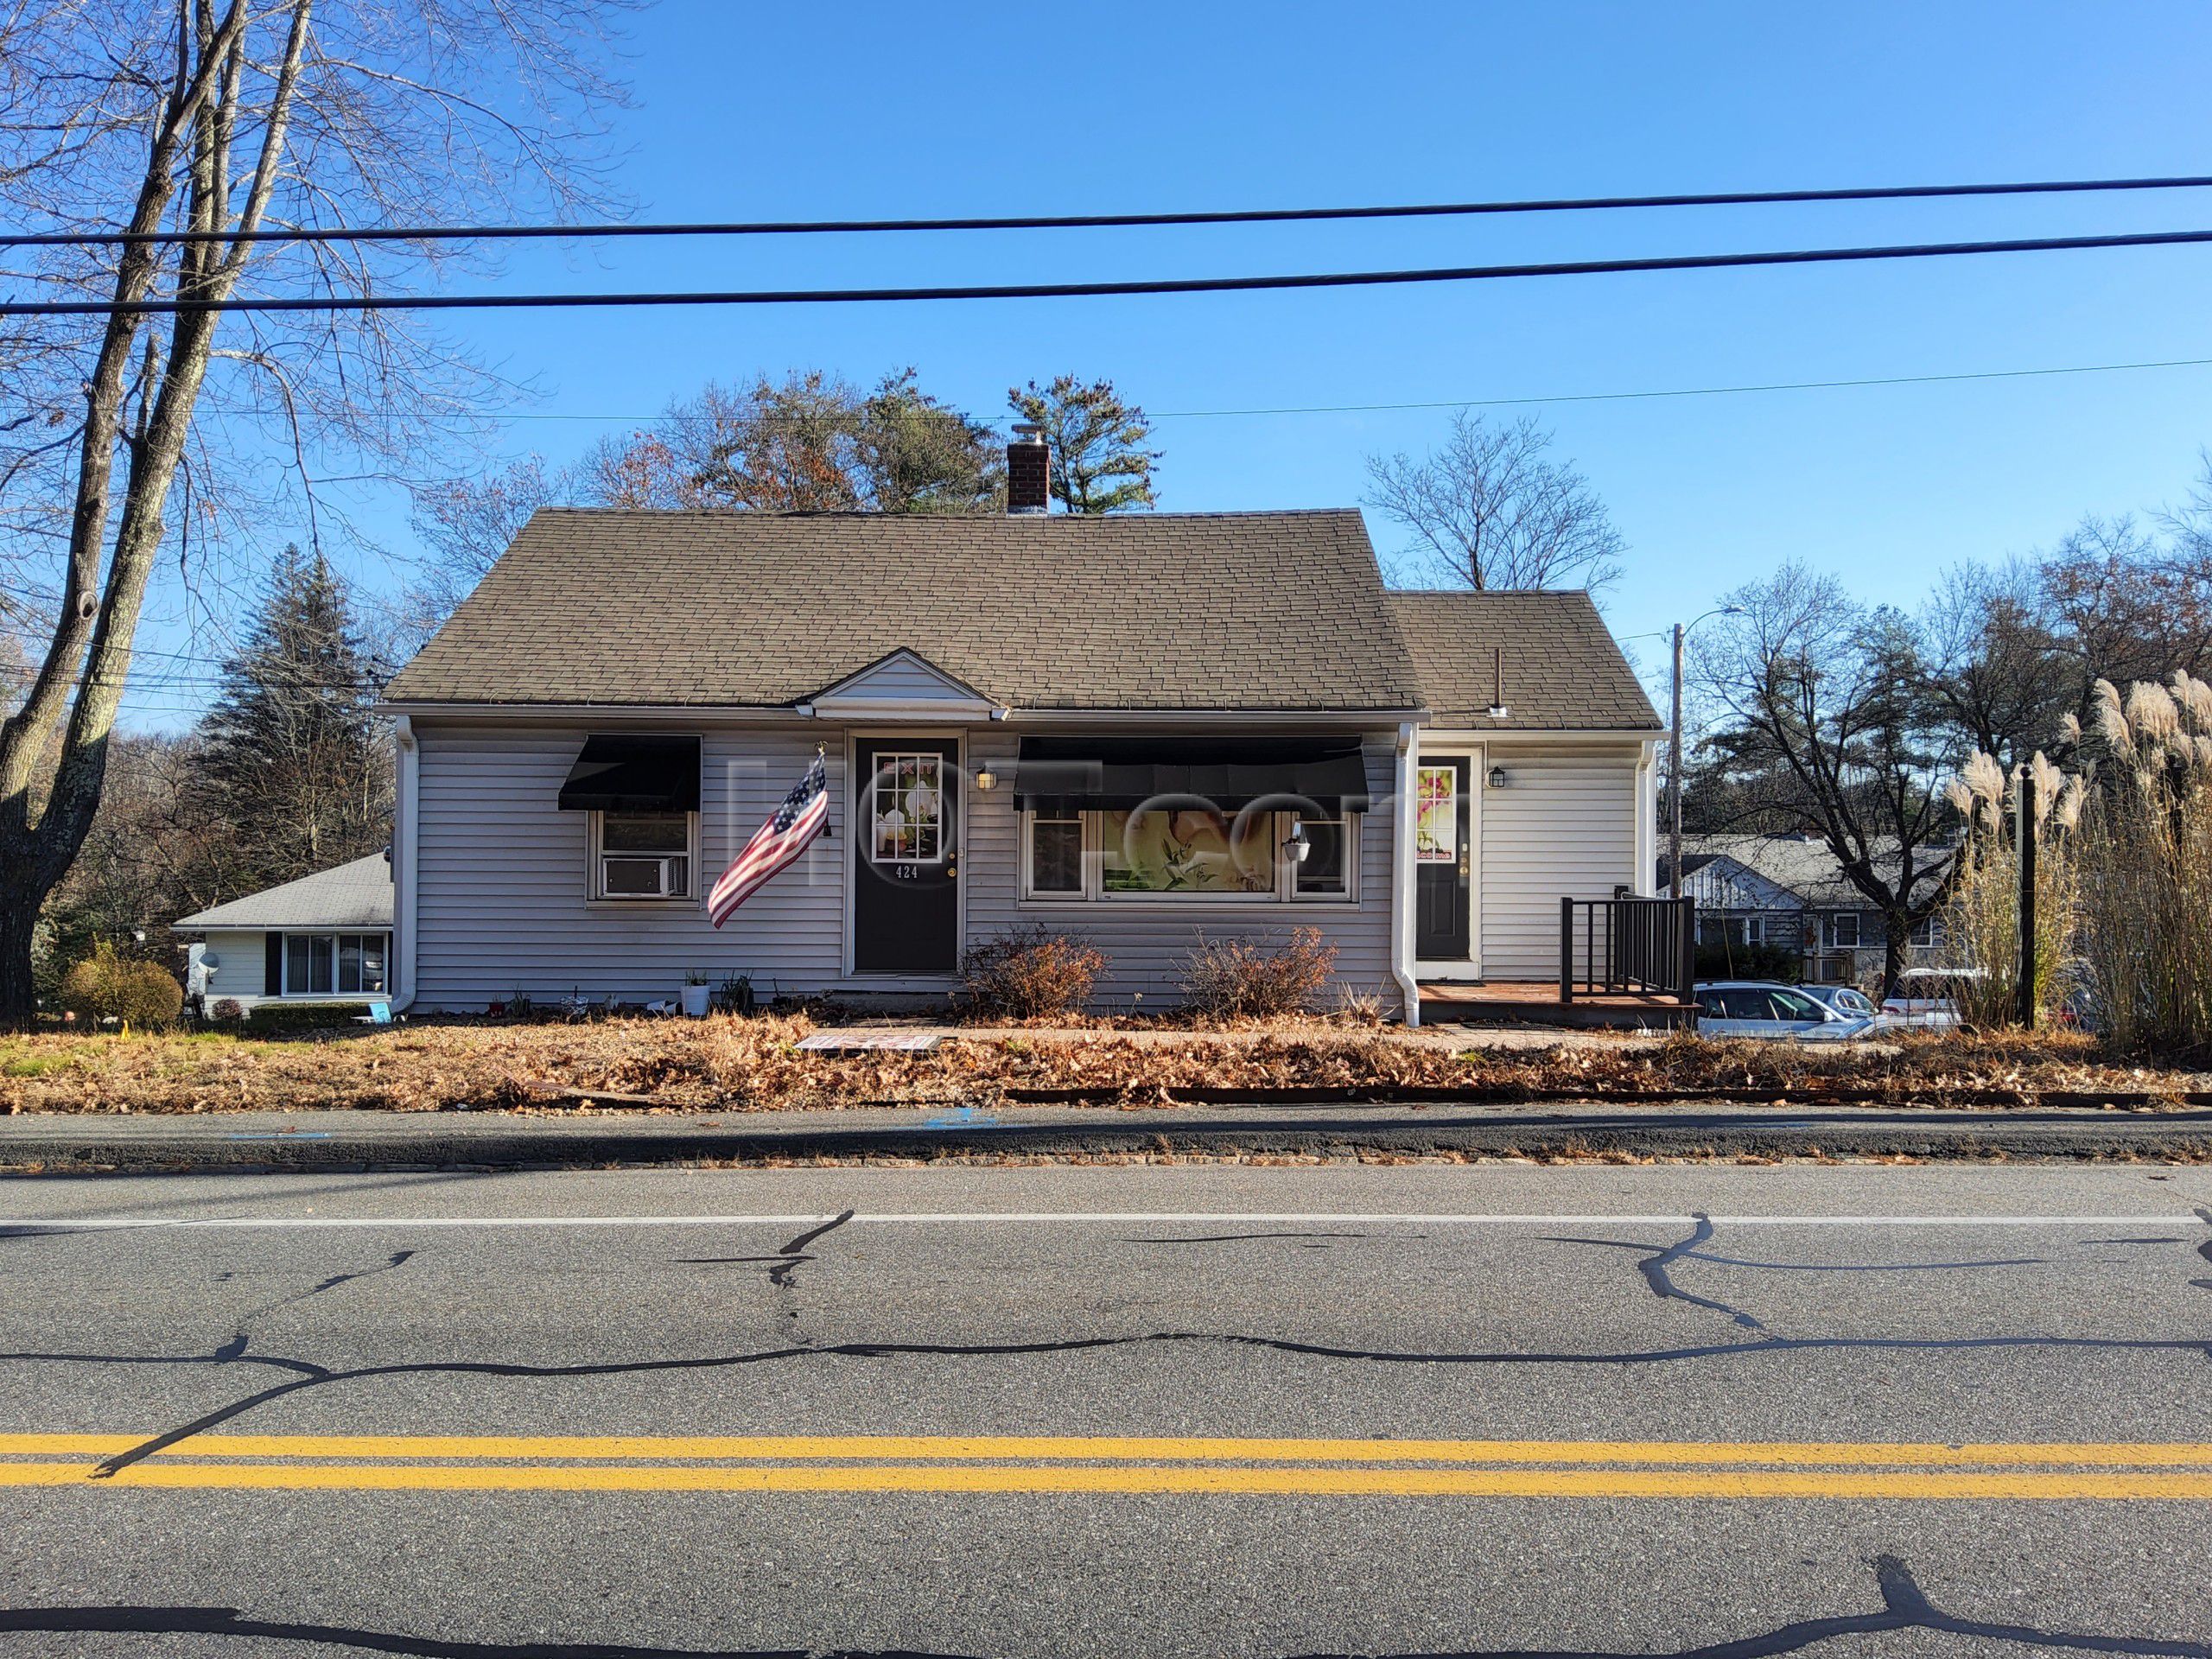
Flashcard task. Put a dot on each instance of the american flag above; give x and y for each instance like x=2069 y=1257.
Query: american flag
x=778 y=842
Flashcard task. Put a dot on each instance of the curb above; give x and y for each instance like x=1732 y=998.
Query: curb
x=204 y=1145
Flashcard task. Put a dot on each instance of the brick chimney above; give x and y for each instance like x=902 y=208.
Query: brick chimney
x=1029 y=471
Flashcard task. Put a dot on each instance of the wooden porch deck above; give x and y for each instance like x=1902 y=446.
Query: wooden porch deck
x=1537 y=1001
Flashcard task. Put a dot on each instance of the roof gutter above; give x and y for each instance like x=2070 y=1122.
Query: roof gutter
x=405 y=835
x=808 y=713
x=1402 y=873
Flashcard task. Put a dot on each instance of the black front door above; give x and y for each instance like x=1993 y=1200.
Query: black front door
x=1444 y=820
x=905 y=856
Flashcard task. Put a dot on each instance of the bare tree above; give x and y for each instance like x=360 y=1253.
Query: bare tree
x=1990 y=661
x=1489 y=509
x=1823 y=709
x=216 y=119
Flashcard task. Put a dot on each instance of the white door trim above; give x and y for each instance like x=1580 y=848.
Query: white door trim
x=854 y=737
x=1455 y=968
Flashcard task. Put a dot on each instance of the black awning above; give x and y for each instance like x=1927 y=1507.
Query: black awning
x=634 y=775
x=1118 y=773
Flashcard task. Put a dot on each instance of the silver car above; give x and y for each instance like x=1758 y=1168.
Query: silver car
x=1846 y=999
x=1762 y=1007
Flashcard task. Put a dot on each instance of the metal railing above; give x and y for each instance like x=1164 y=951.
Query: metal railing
x=1644 y=946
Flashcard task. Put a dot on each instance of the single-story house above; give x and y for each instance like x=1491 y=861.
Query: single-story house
x=1119 y=728
x=1790 y=891
x=326 y=937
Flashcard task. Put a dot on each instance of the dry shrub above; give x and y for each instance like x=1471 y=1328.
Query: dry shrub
x=1984 y=915
x=1030 y=974
x=105 y=986
x=2146 y=900
x=1243 y=979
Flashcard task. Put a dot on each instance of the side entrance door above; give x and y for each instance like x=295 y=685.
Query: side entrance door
x=905 y=855
x=1443 y=861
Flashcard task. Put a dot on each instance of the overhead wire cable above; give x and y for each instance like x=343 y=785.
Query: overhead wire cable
x=1106 y=221
x=319 y=304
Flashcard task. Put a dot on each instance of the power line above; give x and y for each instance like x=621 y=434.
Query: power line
x=666 y=418
x=327 y=303
x=1098 y=221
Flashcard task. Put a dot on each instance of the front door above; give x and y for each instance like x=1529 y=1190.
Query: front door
x=906 y=855
x=1443 y=861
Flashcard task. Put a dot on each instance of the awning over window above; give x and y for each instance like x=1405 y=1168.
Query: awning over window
x=633 y=774
x=1073 y=774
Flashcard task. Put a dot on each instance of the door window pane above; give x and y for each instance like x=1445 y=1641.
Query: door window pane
x=1436 y=815
x=906 y=808
x=1056 y=856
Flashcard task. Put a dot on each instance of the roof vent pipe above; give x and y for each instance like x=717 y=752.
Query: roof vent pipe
x=1029 y=471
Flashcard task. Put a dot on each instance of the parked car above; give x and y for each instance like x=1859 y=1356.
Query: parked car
x=1846 y=999
x=1924 y=1004
x=1760 y=1008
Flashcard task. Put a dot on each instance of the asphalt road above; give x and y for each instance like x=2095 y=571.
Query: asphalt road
x=1134 y=1410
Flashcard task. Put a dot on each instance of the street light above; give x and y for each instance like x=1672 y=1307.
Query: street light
x=1674 y=754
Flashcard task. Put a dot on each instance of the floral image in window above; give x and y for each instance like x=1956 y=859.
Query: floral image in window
x=1436 y=815
x=1188 y=852
x=908 y=809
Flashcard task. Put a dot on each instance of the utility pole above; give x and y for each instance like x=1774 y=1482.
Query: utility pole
x=1674 y=754
x=2024 y=833
x=1675 y=778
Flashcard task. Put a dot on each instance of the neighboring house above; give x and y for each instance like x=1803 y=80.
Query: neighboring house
x=1788 y=892
x=325 y=937
x=1117 y=728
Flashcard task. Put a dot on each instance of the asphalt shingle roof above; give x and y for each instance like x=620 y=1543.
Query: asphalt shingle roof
x=1806 y=867
x=358 y=894
x=1143 y=611
x=1563 y=670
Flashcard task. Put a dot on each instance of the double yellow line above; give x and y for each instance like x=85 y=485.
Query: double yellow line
x=1113 y=1464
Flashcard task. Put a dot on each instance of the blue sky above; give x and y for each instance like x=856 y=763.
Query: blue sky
x=745 y=110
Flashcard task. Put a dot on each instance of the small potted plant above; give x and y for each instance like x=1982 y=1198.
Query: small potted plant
x=696 y=993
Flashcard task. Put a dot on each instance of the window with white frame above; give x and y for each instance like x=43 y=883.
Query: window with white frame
x=642 y=856
x=334 y=964
x=1843 y=930
x=1193 y=856
x=1925 y=933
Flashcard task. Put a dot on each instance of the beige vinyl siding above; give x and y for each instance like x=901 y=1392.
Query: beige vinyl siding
x=1564 y=827
x=503 y=890
x=1146 y=945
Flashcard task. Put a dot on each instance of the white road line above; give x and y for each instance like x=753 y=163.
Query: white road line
x=1079 y=1217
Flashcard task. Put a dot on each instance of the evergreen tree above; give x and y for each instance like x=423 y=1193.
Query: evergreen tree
x=1099 y=460
x=290 y=753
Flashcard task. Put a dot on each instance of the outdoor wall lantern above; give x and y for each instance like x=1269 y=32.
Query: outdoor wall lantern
x=1498 y=778
x=986 y=780
x=1296 y=846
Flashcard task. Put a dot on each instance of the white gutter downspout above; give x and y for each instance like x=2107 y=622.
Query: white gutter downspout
x=1401 y=876
x=403 y=833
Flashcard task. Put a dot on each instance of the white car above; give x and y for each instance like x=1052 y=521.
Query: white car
x=1761 y=1007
